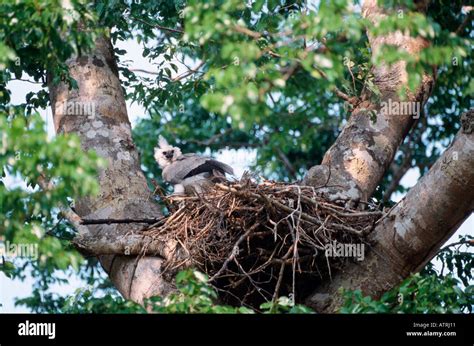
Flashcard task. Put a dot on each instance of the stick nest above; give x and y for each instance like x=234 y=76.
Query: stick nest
x=261 y=241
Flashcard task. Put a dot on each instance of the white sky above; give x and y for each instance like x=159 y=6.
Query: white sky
x=239 y=159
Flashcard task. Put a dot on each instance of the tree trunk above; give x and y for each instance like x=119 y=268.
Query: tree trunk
x=97 y=113
x=354 y=165
x=352 y=168
x=413 y=232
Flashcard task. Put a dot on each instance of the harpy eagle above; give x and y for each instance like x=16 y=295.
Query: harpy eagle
x=189 y=173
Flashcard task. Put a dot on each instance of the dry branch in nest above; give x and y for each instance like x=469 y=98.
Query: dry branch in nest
x=260 y=241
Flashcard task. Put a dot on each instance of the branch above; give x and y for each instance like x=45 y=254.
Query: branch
x=131 y=244
x=364 y=148
x=144 y=71
x=111 y=221
x=189 y=72
x=400 y=171
x=398 y=174
x=212 y=139
x=414 y=230
x=27 y=80
x=287 y=163
x=467 y=20
x=67 y=212
x=464 y=242
x=248 y=32
x=157 y=26
x=353 y=100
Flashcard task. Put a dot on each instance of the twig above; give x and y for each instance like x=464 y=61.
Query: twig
x=351 y=100
x=465 y=22
x=27 y=80
x=463 y=242
x=155 y=221
x=280 y=274
x=157 y=26
x=235 y=252
x=287 y=163
x=189 y=72
x=67 y=212
x=144 y=71
x=248 y=32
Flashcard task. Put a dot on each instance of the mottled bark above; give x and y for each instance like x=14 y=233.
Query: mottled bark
x=407 y=149
x=413 y=232
x=353 y=167
x=431 y=212
x=97 y=113
x=129 y=243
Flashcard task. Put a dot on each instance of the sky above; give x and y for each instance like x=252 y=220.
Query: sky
x=240 y=160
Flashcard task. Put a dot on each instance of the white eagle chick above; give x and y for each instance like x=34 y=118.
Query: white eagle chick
x=189 y=173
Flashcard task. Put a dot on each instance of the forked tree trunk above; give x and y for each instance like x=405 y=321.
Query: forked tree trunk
x=403 y=242
x=357 y=161
x=412 y=233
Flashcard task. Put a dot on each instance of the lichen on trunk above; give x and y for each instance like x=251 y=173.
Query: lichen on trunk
x=96 y=112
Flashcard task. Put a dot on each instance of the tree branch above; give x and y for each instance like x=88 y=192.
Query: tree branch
x=353 y=100
x=365 y=147
x=129 y=244
x=144 y=71
x=157 y=26
x=414 y=230
x=67 y=212
x=467 y=20
x=458 y=243
x=189 y=72
x=287 y=163
x=111 y=221
x=399 y=172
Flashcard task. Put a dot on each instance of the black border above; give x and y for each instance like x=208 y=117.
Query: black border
x=195 y=329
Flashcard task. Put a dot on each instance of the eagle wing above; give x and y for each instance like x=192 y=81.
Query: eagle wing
x=189 y=165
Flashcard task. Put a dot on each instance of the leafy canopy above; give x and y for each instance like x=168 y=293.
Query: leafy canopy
x=259 y=74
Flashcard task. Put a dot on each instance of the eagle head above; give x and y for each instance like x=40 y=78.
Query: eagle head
x=166 y=154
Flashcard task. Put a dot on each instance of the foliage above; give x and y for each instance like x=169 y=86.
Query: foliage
x=266 y=74
x=456 y=258
x=194 y=296
x=417 y=294
x=30 y=215
x=37 y=37
x=284 y=305
x=97 y=295
x=84 y=301
x=429 y=291
x=259 y=75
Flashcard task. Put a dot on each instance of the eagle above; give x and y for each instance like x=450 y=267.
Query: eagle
x=189 y=173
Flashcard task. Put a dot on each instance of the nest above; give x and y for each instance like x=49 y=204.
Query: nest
x=257 y=242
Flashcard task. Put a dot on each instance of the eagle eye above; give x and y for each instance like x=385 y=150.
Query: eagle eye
x=169 y=154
